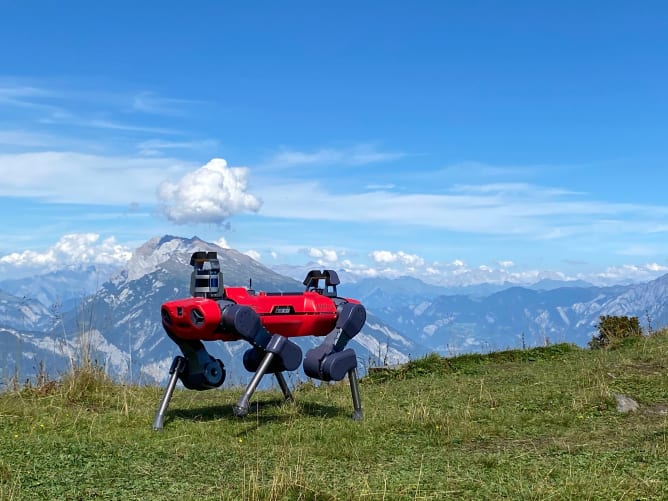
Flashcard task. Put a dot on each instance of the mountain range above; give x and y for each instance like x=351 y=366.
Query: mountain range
x=52 y=319
x=119 y=325
x=514 y=317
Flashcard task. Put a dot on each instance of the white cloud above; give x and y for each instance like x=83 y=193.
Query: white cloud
x=155 y=147
x=66 y=177
x=253 y=254
x=324 y=255
x=121 y=126
x=211 y=194
x=493 y=209
x=72 y=249
x=458 y=273
x=627 y=273
x=22 y=96
x=362 y=154
x=222 y=242
x=383 y=256
x=639 y=250
x=23 y=139
x=149 y=102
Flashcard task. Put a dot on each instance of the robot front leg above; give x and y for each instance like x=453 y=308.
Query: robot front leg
x=202 y=371
x=197 y=370
x=178 y=365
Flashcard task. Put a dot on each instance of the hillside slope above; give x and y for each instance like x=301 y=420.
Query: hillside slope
x=532 y=424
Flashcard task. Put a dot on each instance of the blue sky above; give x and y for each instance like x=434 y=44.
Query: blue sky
x=455 y=141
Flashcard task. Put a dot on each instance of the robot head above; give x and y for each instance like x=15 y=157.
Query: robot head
x=206 y=280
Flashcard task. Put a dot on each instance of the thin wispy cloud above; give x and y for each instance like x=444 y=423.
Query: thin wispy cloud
x=518 y=209
x=151 y=103
x=352 y=156
x=518 y=188
x=88 y=109
x=109 y=124
x=638 y=250
x=485 y=171
x=24 y=96
x=33 y=141
x=67 y=177
x=156 y=147
x=23 y=138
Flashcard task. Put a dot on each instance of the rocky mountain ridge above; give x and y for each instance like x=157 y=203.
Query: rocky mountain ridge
x=121 y=321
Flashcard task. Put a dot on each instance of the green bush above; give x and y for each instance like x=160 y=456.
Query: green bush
x=613 y=330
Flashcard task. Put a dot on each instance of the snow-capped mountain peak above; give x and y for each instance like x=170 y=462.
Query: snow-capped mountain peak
x=151 y=255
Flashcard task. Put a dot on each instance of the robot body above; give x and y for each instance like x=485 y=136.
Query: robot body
x=266 y=320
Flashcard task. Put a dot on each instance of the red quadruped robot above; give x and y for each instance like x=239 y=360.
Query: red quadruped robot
x=266 y=320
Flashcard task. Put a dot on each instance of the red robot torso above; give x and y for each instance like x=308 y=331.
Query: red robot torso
x=288 y=314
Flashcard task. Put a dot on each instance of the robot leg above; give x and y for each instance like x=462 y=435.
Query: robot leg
x=271 y=353
x=331 y=362
x=280 y=354
x=178 y=365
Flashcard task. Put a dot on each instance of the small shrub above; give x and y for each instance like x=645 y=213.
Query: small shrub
x=614 y=330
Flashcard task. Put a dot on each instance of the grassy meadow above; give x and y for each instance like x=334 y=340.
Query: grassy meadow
x=523 y=424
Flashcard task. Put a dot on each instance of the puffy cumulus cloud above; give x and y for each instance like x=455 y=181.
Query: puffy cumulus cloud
x=387 y=257
x=506 y=264
x=75 y=248
x=221 y=242
x=253 y=254
x=323 y=255
x=358 y=269
x=383 y=256
x=210 y=194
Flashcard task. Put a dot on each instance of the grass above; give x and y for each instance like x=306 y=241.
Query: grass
x=533 y=424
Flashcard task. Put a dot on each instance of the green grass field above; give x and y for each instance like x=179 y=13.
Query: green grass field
x=534 y=424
